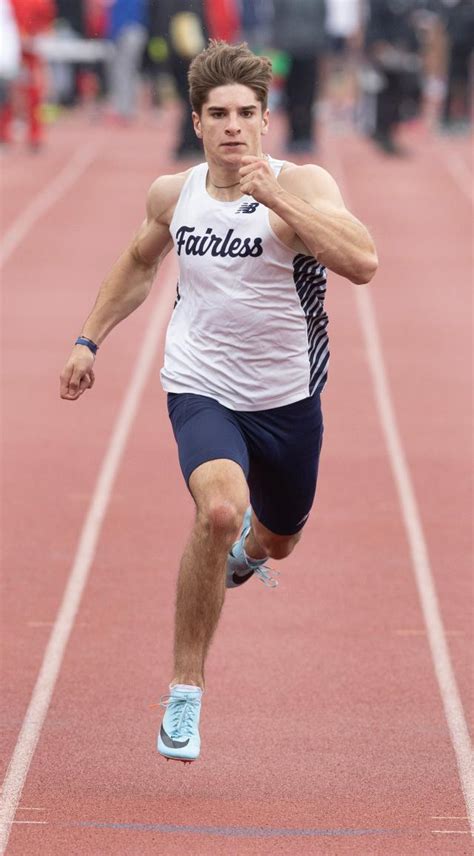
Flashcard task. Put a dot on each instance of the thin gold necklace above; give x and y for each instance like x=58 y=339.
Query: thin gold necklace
x=224 y=186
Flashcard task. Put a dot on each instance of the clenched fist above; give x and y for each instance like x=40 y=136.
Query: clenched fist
x=258 y=180
x=78 y=374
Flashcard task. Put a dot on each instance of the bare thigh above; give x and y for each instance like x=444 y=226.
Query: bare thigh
x=220 y=492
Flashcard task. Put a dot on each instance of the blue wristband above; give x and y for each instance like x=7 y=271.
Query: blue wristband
x=83 y=340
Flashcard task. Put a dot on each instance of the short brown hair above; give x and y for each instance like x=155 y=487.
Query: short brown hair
x=220 y=64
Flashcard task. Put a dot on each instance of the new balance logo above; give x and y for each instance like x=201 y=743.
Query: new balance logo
x=247 y=208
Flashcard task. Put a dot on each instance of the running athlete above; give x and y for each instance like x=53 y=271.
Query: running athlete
x=246 y=350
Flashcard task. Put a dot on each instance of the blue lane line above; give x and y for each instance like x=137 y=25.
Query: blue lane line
x=234 y=831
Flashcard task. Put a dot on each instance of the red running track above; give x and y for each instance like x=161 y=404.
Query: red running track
x=323 y=723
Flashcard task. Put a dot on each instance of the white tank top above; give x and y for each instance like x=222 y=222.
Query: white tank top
x=248 y=327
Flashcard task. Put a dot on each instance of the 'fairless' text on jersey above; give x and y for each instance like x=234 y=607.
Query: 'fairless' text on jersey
x=249 y=327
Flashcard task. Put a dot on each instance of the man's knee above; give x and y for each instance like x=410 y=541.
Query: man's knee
x=222 y=518
x=220 y=492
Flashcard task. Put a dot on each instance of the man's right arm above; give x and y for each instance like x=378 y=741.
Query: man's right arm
x=128 y=283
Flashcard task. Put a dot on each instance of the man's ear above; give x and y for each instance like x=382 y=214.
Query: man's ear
x=197 y=124
x=265 y=121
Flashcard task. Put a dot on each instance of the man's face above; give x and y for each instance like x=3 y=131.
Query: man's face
x=231 y=124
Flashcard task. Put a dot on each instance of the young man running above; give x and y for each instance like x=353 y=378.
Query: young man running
x=246 y=349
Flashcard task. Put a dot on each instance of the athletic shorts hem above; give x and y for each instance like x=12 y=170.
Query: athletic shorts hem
x=286 y=533
x=194 y=463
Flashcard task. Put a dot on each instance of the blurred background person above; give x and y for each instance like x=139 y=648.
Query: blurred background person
x=128 y=22
x=182 y=25
x=9 y=65
x=77 y=63
x=69 y=24
x=256 y=23
x=458 y=17
x=96 y=18
x=393 y=49
x=186 y=26
x=96 y=27
x=344 y=29
x=223 y=19
x=28 y=90
x=299 y=29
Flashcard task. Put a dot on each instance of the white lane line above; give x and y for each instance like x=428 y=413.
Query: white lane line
x=449 y=692
x=65 y=179
x=451 y=831
x=29 y=821
x=459 y=171
x=453 y=709
x=53 y=657
x=29 y=808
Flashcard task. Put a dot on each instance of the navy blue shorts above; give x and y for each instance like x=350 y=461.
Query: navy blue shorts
x=278 y=451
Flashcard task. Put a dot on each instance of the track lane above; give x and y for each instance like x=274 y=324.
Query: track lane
x=353 y=718
x=423 y=308
x=435 y=415
x=45 y=293
x=25 y=174
x=121 y=778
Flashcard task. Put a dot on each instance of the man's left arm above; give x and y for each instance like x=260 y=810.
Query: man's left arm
x=309 y=200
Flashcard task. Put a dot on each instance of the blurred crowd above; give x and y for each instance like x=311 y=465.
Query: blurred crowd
x=369 y=63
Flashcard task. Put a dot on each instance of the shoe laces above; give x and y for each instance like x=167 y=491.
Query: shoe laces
x=267 y=575
x=182 y=712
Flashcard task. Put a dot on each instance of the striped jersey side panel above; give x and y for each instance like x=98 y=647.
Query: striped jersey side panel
x=310 y=280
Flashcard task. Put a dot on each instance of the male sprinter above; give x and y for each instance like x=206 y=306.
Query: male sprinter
x=246 y=351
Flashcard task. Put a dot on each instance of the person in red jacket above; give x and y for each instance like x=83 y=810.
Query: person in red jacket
x=33 y=17
x=223 y=19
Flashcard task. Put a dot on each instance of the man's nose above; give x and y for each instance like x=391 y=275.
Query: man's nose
x=233 y=126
